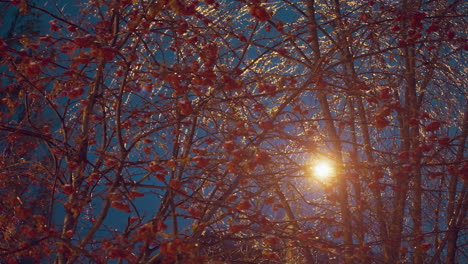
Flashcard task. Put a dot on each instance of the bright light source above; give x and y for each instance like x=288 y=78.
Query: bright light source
x=323 y=170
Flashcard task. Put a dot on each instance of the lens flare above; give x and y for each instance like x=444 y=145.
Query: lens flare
x=323 y=170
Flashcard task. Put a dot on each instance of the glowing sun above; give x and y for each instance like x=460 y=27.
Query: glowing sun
x=322 y=170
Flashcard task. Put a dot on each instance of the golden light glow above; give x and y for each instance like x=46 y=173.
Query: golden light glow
x=322 y=170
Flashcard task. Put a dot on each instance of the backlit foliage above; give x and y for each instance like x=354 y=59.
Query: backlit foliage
x=183 y=131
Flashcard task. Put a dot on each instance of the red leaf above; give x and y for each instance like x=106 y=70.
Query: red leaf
x=53 y=25
x=362 y=86
x=209 y=75
x=259 y=13
x=22 y=212
x=86 y=41
x=364 y=248
x=444 y=141
x=132 y=219
x=229 y=145
x=135 y=194
x=424 y=115
x=115 y=196
x=147 y=149
x=33 y=69
x=185 y=107
x=160 y=226
x=168 y=248
x=154 y=166
x=433 y=126
x=269 y=200
x=201 y=161
x=403 y=250
x=282 y=52
x=110 y=162
x=266 y=125
x=450 y=35
x=424 y=147
x=121 y=206
x=270 y=255
x=106 y=53
x=385 y=94
x=432 y=28
x=276 y=207
x=452 y=169
x=160 y=176
x=67 y=189
x=271 y=240
x=209 y=141
x=209 y=55
x=434 y=175
x=194 y=212
x=262 y=158
x=92 y=178
x=148 y=140
x=229 y=83
x=141 y=123
x=267 y=87
x=297 y=108
x=426 y=246
x=243 y=205
x=381 y=122
x=338 y=233
x=118 y=253
x=241 y=37
x=237 y=228
x=28 y=231
x=372 y=100
x=244 y=181
x=414 y=122
x=75 y=92
x=70 y=233
x=376 y=186
x=200 y=151
x=231 y=198
x=175 y=184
